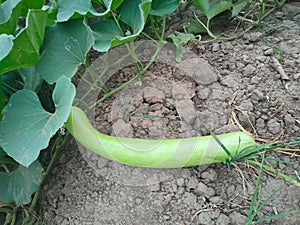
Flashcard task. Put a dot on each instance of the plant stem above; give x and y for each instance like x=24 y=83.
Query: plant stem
x=205 y=27
x=14 y=218
x=49 y=167
x=131 y=80
x=272 y=170
x=94 y=76
x=261 y=12
x=139 y=73
x=154 y=28
x=5 y=168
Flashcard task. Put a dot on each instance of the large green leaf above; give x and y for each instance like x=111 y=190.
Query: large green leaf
x=25 y=51
x=65 y=47
x=27 y=128
x=36 y=4
x=18 y=185
x=6 y=44
x=70 y=8
x=113 y=5
x=30 y=4
x=2 y=152
x=162 y=8
x=238 y=6
x=107 y=33
x=9 y=15
x=2 y=100
x=214 y=9
x=134 y=13
x=32 y=80
x=180 y=39
x=9 y=82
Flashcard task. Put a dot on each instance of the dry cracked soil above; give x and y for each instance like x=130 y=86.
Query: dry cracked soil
x=224 y=86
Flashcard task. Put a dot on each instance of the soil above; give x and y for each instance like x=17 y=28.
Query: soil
x=221 y=86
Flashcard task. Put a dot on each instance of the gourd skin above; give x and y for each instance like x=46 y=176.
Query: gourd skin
x=168 y=153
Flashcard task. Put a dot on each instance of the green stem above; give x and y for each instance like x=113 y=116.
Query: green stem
x=88 y=82
x=50 y=165
x=154 y=28
x=14 y=218
x=261 y=13
x=131 y=80
x=5 y=168
x=96 y=78
x=206 y=27
x=272 y=170
x=139 y=73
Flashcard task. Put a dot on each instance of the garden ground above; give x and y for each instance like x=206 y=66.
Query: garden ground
x=244 y=87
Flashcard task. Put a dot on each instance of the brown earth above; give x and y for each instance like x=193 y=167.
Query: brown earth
x=224 y=86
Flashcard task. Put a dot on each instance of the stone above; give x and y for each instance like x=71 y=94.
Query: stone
x=201 y=189
x=153 y=95
x=192 y=183
x=257 y=95
x=204 y=218
x=203 y=92
x=204 y=120
x=199 y=70
x=216 y=200
x=255 y=80
x=289 y=121
x=215 y=47
x=247 y=105
x=273 y=126
x=297 y=76
x=210 y=175
x=182 y=91
x=260 y=124
x=254 y=36
x=189 y=198
x=237 y=218
x=223 y=219
x=229 y=81
x=122 y=129
x=249 y=70
x=186 y=110
x=180 y=181
x=218 y=94
x=268 y=52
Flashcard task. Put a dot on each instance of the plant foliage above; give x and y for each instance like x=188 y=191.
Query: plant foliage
x=41 y=46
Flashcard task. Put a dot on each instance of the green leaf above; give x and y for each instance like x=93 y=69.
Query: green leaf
x=27 y=128
x=70 y=8
x=19 y=185
x=238 y=6
x=31 y=78
x=6 y=44
x=65 y=48
x=203 y=6
x=180 y=39
x=218 y=8
x=134 y=13
x=107 y=33
x=9 y=16
x=25 y=51
x=2 y=101
x=162 y=8
x=212 y=10
x=2 y=152
x=113 y=5
x=9 y=82
x=36 y=4
x=196 y=28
